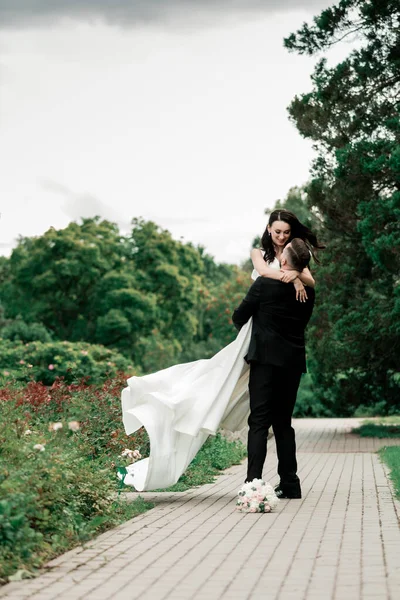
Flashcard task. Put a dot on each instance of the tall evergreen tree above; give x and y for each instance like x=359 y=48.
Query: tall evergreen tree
x=352 y=115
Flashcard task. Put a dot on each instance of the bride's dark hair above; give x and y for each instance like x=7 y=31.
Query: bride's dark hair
x=297 y=230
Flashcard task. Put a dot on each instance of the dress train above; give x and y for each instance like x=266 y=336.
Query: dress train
x=181 y=406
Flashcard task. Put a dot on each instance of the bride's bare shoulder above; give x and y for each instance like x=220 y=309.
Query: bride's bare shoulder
x=257 y=252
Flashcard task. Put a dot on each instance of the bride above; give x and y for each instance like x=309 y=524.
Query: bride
x=182 y=405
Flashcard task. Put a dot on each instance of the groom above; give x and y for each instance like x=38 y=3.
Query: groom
x=277 y=359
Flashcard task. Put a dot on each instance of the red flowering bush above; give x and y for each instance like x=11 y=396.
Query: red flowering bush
x=59 y=447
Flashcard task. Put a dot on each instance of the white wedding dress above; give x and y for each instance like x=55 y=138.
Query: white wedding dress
x=182 y=405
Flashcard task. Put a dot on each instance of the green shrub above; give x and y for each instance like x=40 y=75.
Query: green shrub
x=25 y=332
x=54 y=499
x=373 y=410
x=46 y=361
x=97 y=408
x=220 y=453
x=157 y=352
x=200 y=350
x=217 y=454
x=18 y=539
x=308 y=403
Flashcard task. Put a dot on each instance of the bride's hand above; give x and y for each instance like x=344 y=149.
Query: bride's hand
x=301 y=294
x=288 y=276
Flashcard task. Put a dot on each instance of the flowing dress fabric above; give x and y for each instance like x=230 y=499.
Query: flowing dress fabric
x=182 y=405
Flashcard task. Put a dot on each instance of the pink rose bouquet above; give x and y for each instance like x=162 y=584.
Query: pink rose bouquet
x=256 y=496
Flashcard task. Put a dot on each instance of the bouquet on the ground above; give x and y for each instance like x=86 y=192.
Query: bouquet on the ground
x=256 y=496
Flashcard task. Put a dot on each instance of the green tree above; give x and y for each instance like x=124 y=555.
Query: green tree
x=51 y=278
x=352 y=115
x=143 y=294
x=221 y=305
x=296 y=202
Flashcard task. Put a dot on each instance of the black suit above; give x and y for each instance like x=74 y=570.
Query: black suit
x=277 y=359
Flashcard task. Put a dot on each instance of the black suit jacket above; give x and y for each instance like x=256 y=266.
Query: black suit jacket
x=279 y=321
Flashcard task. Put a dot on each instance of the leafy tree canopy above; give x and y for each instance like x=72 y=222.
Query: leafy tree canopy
x=144 y=294
x=352 y=115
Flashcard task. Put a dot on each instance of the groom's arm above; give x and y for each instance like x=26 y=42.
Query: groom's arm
x=248 y=306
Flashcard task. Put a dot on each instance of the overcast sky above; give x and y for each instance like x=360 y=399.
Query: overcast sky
x=173 y=111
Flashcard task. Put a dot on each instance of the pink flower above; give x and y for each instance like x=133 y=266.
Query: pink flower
x=126 y=452
x=21 y=362
x=55 y=426
x=39 y=447
x=84 y=352
x=74 y=425
x=6 y=372
x=131 y=454
x=256 y=496
x=51 y=367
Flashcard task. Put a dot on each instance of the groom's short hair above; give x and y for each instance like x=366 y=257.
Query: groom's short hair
x=298 y=254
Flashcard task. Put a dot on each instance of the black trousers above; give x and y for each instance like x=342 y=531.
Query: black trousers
x=273 y=392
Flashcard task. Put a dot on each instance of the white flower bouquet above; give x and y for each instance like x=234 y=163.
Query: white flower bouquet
x=256 y=496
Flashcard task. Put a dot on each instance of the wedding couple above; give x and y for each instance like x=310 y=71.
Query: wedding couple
x=182 y=405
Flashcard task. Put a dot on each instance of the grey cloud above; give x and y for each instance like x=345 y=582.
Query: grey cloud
x=77 y=205
x=134 y=12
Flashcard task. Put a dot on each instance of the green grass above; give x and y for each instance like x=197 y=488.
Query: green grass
x=384 y=427
x=391 y=456
x=216 y=455
x=378 y=431
x=393 y=420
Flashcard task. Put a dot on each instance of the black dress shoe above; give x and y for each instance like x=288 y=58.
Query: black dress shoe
x=285 y=493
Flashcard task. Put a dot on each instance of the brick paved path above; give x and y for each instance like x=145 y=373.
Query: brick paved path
x=340 y=542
